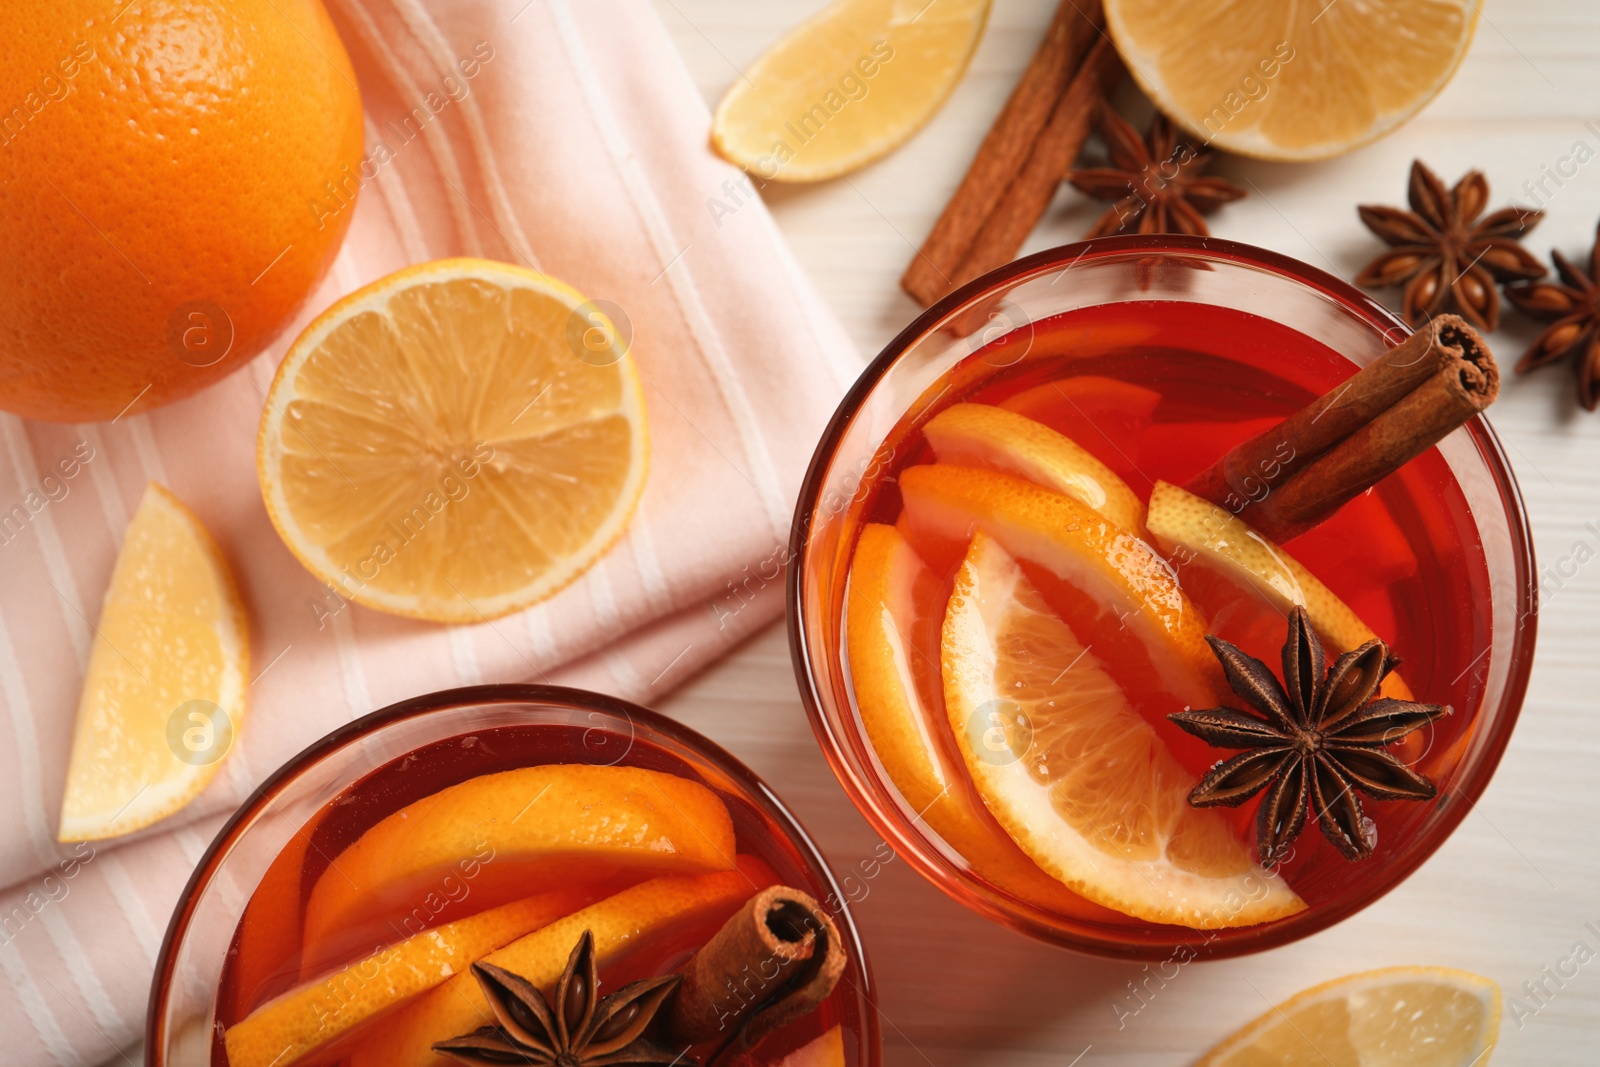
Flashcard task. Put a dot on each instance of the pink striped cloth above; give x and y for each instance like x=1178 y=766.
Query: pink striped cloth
x=560 y=134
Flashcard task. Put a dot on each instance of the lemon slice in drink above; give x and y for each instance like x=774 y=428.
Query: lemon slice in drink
x=894 y=608
x=1416 y=1016
x=1079 y=779
x=1291 y=81
x=979 y=435
x=163 y=698
x=454 y=442
x=847 y=86
x=1179 y=519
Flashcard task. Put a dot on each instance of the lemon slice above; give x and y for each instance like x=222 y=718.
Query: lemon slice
x=1179 y=519
x=1291 y=81
x=978 y=435
x=163 y=698
x=847 y=86
x=454 y=442
x=618 y=923
x=285 y=1029
x=894 y=608
x=532 y=828
x=1079 y=779
x=1410 y=1016
x=1112 y=567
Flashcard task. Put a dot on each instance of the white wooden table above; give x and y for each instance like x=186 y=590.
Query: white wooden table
x=1511 y=892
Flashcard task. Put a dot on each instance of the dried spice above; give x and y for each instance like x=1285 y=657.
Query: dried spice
x=581 y=1030
x=1573 y=305
x=1156 y=183
x=1446 y=256
x=1310 y=743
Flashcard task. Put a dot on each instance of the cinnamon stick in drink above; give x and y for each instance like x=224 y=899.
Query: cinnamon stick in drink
x=1287 y=479
x=1005 y=151
x=776 y=959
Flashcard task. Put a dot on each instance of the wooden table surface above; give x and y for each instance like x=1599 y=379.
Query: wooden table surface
x=1512 y=891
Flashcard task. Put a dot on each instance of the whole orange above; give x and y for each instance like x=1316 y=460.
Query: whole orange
x=175 y=176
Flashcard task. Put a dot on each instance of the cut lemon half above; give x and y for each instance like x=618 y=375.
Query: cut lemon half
x=618 y=922
x=894 y=610
x=163 y=698
x=1179 y=519
x=516 y=832
x=1121 y=573
x=846 y=86
x=454 y=442
x=289 y=1027
x=1400 y=1016
x=1291 y=81
x=1080 y=780
x=979 y=435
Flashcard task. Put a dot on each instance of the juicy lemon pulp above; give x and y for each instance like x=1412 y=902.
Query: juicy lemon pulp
x=455 y=441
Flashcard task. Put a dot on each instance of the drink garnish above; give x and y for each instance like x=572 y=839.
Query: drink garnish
x=1289 y=478
x=1574 y=305
x=1156 y=182
x=580 y=1030
x=1444 y=254
x=1316 y=740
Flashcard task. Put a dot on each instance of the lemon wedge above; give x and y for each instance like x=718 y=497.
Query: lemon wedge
x=1415 y=1016
x=847 y=86
x=163 y=699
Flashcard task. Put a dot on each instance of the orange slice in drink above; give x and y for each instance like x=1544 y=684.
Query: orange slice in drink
x=1179 y=519
x=1416 y=1016
x=618 y=923
x=991 y=438
x=826 y=1050
x=503 y=836
x=1113 y=572
x=289 y=1027
x=1077 y=777
x=894 y=608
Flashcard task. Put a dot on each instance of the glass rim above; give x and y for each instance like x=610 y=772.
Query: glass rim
x=417 y=707
x=886 y=818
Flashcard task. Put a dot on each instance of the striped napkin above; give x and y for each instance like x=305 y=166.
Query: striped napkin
x=559 y=134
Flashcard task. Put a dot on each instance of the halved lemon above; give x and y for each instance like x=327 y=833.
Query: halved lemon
x=289 y=1027
x=455 y=441
x=992 y=438
x=618 y=923
x=1178 y=518
x=1411 y=1016
x=846 y=86
x=1291 y=81
x=516 y=832
x=894 y=610
x=163 y=699
x=1076 y=776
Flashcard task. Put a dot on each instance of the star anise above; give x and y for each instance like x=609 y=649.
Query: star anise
x=581 y=1030
x=1156 y=182
x=1445 y=255
x=1574 y=305
x=1312 y=742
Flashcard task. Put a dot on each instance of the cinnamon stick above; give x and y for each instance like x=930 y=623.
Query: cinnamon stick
x=1006 y=149
x=776 y=959
x=1287 y=479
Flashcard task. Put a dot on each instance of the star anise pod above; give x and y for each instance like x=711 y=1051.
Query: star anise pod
x=1156 y=182
x=1446 y=256
x=1311 y=742
x=1574 y=305
x=581 y=1030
